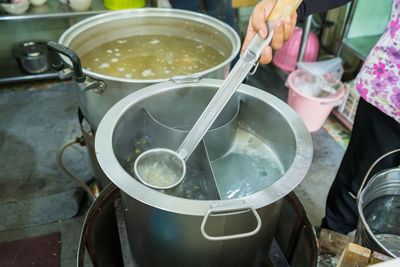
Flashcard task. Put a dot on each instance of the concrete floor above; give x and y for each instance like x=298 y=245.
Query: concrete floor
x=35 y=197
x=312 y=191
x=33 y=125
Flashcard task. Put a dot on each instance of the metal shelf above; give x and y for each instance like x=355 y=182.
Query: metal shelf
x=361 y=46
x=10 y=72
x=54 y=9
x=28 y=78
x=358 y=46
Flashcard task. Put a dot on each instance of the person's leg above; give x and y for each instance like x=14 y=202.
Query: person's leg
x=192 y=5
x=221 y=9
x=374 y=134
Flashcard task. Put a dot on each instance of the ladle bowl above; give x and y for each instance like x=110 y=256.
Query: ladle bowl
x=160 y=168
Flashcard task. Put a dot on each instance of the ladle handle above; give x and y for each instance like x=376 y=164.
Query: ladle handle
x=281 y=9
x=246 y=62
x=217 y=103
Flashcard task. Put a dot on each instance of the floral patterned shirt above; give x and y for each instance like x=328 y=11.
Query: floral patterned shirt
x=378 y=80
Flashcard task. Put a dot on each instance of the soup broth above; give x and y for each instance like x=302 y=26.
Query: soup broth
x=151 y=57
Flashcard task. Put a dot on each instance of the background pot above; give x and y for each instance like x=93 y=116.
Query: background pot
x=96 y=30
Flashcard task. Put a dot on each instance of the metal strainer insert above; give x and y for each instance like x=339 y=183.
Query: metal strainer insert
x=165 y=168
x=247 y=61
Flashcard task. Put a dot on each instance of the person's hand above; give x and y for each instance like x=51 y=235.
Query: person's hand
x=283 y=29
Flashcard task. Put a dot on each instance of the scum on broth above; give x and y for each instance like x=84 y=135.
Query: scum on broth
x=151 y=57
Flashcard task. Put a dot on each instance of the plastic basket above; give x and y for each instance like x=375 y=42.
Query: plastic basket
x=349 y=105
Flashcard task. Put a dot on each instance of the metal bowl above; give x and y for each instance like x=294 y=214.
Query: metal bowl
x=32 y=57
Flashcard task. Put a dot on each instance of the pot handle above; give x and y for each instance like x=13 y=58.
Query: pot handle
x=369 y=171
x=76 y=63
x=228 y=210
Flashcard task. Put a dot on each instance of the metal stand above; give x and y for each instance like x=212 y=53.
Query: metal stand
x=127 y=255
x=274 y=258
x=104 y=236
x=304 y=38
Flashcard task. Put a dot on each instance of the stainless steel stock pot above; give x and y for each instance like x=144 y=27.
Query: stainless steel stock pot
x=178 y=228
x=98 y=92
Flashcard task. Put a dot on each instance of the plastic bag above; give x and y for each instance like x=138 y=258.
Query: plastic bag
x=319 y=78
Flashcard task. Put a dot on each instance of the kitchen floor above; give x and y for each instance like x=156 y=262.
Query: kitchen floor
x=36 y=121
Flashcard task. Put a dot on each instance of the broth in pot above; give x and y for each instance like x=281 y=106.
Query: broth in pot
x=151 y=57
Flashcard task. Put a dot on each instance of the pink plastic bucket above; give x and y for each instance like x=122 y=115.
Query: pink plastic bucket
x=286 y=57
x=312 y=110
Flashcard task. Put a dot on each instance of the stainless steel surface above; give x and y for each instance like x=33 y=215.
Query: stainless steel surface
x=26 y=78
x=33 y=57
x=172 y=127
x=104 y=237
x=88 y=136
x=199 y=176
x=99 y=234
x=304 y=38
x=93 y=31
x=177 y=241
x=261 y=111
x=127 y=256
x=346 y=28
x=219 y=210
x=378 y=208
x=224 y=93
x=169 y=129
x=160 y=168
x=267 y=116
x=175 y=161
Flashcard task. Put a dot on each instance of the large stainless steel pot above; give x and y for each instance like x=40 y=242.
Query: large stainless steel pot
x=166 y=230
x=99 y=92
x=103 y=235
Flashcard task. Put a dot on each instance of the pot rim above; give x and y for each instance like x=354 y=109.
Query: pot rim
x=117 y=174
x=72 y=32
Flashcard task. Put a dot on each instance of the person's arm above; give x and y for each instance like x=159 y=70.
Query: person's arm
x=283 y=29
x=308 y=7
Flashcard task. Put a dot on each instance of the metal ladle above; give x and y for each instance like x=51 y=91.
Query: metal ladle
x=162 y=168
